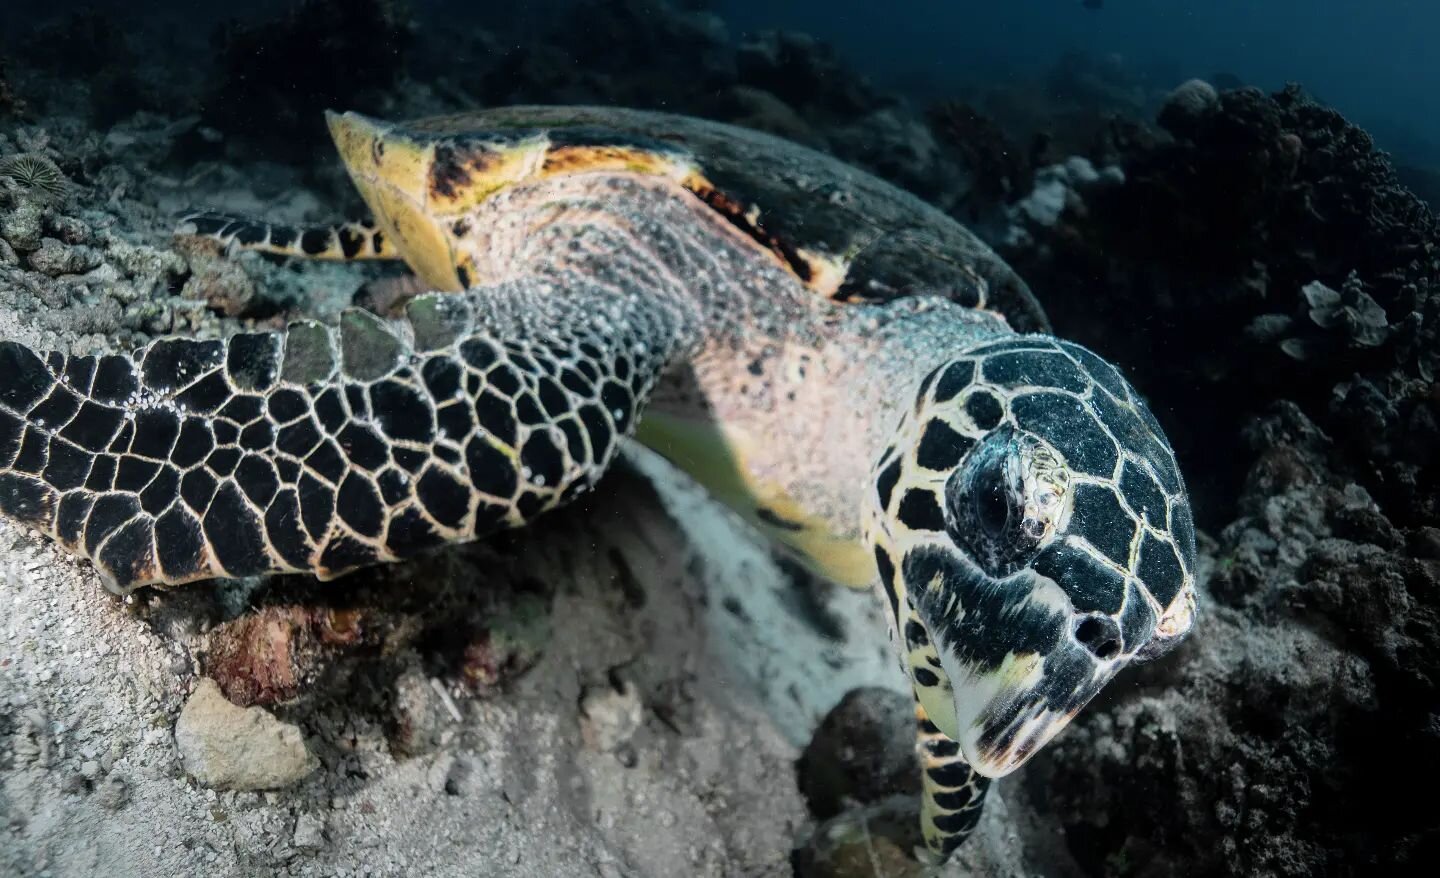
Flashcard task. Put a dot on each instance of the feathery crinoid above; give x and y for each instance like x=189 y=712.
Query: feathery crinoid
x=34 y=171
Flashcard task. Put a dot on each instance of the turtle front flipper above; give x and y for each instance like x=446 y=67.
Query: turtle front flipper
x=320 y=449
x=344 y=242
x=952 y=793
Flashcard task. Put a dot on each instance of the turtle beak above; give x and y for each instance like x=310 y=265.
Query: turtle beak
x=1017 y=675
x=1007 y=716
x=392 y=169
x=1173 y=627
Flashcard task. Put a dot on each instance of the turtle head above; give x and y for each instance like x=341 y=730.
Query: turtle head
x=1035 y=536
x=391 y=167
x=423 y=179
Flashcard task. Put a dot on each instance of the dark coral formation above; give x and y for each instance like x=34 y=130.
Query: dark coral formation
x=307 y=637
x=625 y=52
x=84 y=42
x=1273 y=289
x=853 y=756
x=1003 y=171
x=807 y=75
x=272 y=654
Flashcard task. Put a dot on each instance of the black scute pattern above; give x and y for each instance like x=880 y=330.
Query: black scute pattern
x=1034 y=368
x=997 y=619
x=27 y=380
x=1068 y=424
x=180 y=544
x=195 y=459
x=1099 y=518
x=1101 y=371
x=1159 y=569
x=1092 y=586
x=956 y=377
x=94 y=426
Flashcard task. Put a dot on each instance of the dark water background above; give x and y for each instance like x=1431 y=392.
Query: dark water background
x=1375 y=62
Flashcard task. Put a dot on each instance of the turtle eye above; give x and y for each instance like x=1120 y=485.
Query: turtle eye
x=992 y=499
x=985 y=505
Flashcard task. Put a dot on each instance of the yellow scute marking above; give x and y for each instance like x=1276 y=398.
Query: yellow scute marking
x=562 y=160
x=827 y=273
x=421 y=241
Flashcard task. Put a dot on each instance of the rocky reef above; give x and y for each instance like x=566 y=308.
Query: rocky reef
x=609 y=692
x=1273 y=289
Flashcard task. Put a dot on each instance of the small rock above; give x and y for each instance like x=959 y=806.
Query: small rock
x=309 y=832
x=56 y=258
x=874 y=840
x=609 y=716
x=437 y=777
x=863 y=751
x=33 y=741
x=265 y=657
x=112 y=793
x=1190 y=103
x=137 y=260
x=625 y=755
x=462 y=775
x=219 y=282
x=237 y=748
x=90 y=769
x=21 y=226
x=418 y=720
x=608 y=869
x=74 y=785
x=69 y=229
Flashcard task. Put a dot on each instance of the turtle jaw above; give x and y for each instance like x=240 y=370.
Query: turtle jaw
x=392 y=169
x=1007 y=646
x=1003 y=721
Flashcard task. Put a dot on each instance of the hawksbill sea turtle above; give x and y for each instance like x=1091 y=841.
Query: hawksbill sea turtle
x=848 y=368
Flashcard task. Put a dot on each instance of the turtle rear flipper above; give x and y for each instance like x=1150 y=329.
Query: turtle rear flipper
x=322 y=449
x=346 y=241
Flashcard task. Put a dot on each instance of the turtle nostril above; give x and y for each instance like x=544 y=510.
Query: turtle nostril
x=1100 y=635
